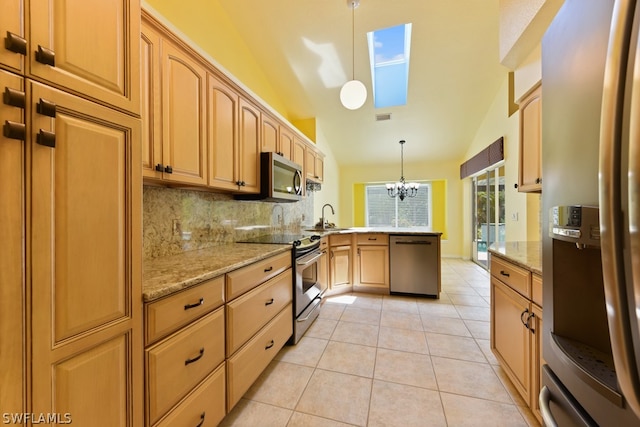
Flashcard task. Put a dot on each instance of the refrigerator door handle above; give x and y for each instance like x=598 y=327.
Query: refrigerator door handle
x=611 y=226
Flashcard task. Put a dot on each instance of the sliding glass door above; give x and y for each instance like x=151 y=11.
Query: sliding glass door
x=488 y=213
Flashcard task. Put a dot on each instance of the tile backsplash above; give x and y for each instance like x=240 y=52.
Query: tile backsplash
x=177 y=220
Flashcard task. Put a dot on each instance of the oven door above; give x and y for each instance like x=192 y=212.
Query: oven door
x=307 y=289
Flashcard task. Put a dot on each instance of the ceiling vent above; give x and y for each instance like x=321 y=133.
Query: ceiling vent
x=383 y=116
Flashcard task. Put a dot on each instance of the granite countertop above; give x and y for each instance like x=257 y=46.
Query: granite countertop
x=385 y=230
x=165 y=275
x=524 y=254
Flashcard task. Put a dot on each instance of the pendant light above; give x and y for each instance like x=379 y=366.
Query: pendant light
x=401 y=189
x=353 y=93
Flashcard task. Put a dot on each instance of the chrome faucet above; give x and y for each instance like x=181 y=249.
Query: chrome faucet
x=322 y=220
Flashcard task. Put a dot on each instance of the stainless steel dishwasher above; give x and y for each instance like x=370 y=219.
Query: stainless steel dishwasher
x=415 y=264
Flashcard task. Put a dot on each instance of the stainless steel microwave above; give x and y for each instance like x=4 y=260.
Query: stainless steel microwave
x=280 y=180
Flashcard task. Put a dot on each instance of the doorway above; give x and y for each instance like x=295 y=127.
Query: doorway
x=488 y=213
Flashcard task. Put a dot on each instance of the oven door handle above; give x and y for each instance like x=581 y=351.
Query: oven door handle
x=310 y=313
x=307 y=262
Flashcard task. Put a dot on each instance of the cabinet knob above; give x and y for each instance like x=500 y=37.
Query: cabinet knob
x=15 y=43
x=45 y=56
x=14 y=98
x=46 y=138
x=159 y=167
x=538 y=180
x=168 y=169
x=13 y=130
x=515 y=186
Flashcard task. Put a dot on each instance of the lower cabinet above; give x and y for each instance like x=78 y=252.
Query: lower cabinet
x=516 y=327
x=372 y=263
x=340 y=264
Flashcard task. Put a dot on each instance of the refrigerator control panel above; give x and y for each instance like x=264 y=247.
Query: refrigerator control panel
x=575 y=223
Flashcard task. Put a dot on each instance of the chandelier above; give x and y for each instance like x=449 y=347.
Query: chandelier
x=401 y=189
x=353 y=93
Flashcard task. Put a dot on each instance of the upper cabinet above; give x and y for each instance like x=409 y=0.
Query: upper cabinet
x=314 y=164
x=174 y=112
x=199 y=128
x=88 y=48
x=530 y=159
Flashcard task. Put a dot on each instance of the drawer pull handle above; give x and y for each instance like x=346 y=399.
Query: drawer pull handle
x=201 y=420
x=46 y=108
x=195 y=304
x=372 y=238
x=522 y=318
x=14 y=98
x=45 y=56
x=531 y=316
x=15 y=43
x=195 y=359
x=504 y=273
x=269 y=301
x=46 y=138
x=271 y=344
x=13 y=130
x=266 y=270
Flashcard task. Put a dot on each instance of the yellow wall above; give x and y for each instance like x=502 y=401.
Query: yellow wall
x=206 y=24
x=446 y=197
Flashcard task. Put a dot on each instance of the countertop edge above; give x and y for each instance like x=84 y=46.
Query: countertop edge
x=523 y=254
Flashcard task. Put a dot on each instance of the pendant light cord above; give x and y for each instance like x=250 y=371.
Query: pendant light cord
x=353 y=42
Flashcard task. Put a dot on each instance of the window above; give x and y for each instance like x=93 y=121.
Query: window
x=389 y=51
x=385 y=211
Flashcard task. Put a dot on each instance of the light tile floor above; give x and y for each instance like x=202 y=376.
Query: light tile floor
x=372 y=360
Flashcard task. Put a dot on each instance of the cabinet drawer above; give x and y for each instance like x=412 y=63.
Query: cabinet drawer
x=169 y=314
x=248 y=363
x=339 y=239
x=536 y=289
x=244 y=279
x=205 y=406
x=372 y=239
x=176 y=364
x=324 y=242
x=517 y=278
x=250 y=312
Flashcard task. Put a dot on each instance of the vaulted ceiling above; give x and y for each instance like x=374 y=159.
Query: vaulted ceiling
x=304 y=47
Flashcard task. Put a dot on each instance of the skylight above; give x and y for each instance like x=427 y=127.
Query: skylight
x=389 y=56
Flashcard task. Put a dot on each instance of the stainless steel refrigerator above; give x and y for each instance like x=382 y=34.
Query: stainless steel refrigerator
x=591 y=214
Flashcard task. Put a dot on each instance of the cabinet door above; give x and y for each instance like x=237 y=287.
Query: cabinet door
x=249 y=147
x=85 y=216
x=373 y=267
x=12 y=255
x=269 y=134
x=323 y=271
x=12 y=21
x=537 y=361
x=340 y=267
x=319 y=168
x=222 y=112
x=530 y=173
x=183 y=116
x=310 y=163
x=286 y=142
x=510 y=338
x=89 y=47
x=150 y=111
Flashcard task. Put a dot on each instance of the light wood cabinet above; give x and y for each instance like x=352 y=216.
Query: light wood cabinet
x=184 y=357
x=12 y=29
x=12 y=255
x=285 y=146
x=249 y=148
x=372 y=263
x=88 y=48
x=270 y=134
x=175 y=113
x=223 y=134
x=314 y=165
x=340 y=263
x=323 y=264
x=530 y=157
x=516 y=327
x=85 y=248
x=259 y=320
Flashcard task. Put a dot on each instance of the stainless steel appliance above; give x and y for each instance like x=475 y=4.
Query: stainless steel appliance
x=280 y=180
x=414 y=263
x=591 y=246
x=307 y=288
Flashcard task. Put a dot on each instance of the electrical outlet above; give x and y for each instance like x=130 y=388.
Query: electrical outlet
x=514 y=216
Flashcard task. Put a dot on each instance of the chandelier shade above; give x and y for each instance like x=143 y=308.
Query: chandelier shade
x=402 y=189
